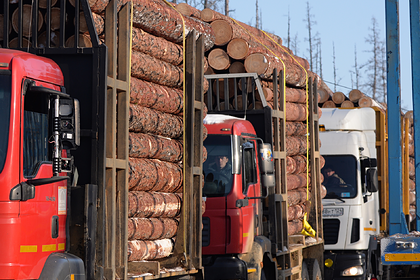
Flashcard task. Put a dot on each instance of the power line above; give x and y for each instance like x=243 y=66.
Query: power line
x=334 y=84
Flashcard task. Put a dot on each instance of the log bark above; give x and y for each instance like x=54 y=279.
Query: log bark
x=297 y=181
x=298 y=196
x=161 y=20
x=157 y=47
x=143 y=204
x=26 y=20
x=151 y=228
x=347 y=104
x=139 y=250
x=323 y=191
x=295 y=129
x=154 y=175
x=338 y=97
x=411 y=168
x=151 y=146
x=355 y=95
x=218 y=59
x=296 y=212
x=148 y=68
x=98 y=20
x=147 y=120
x=188 y=11
x=157 y=97
x=294 y=227
x=296 y=145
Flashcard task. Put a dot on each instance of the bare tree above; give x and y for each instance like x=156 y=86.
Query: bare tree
x=257 y=16
x=288 y=28
x=320 y=59
x=309 y=24
x=356 y=70
x=335 y=70
x=227 y=8
x=174 y=1
x=373 y=64
x=294 y=44
x=203 y=4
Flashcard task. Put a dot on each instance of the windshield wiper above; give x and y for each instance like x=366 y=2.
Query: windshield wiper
x=334 y=195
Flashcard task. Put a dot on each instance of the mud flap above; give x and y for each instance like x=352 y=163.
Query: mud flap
x=61 y=266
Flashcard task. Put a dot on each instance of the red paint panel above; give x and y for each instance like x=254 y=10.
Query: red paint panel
x=216 y=211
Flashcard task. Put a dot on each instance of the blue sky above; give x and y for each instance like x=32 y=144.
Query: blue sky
x=344 y=23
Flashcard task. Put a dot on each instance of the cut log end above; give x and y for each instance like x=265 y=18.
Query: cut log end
x=238 y=48
x=256 y=63
x=218 y=59
x=355 y=95
x=223 y=32
x=207 y=15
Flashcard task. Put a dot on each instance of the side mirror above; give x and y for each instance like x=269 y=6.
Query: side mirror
x=372 y=180
x=267 y=166
x=69 y=112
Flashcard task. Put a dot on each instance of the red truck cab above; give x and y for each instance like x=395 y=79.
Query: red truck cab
x=33 y=195
x=233 y=216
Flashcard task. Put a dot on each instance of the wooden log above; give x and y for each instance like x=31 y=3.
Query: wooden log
x=347 y=104
x=355 y=95
x=296 y=181
x=2 y=27
x=223 y=32
x=98 y=20
x=295 y=145
x=409 y=115
x=147 y=120
x=154 y=175
x=139 y=250
x=55 y=18
x=150 y=146
x=296 y=212
x=91 y=4
x=161 y=20
x=84 y=41
x=209 y=15
x=54 y=39
x=411 y=168
x=338 y=97
x=188 y=11
x=157 y=97
x=295 y=129
x=14 y=43
x=26 y=20
x=412 y=197
x=237 y=67
x=329 y=104
x=412 y=185
x=323 y=191
x=151 y=228
x=365 y=101
x=237 y=48
x=99 y=5
x=221 y=82
x=264 y=64
x=43 y=3
x=298 y=196
x=146 y=67
x=295 y=112
x=218 y=59
x=157 y=47
x=154 y=204
x=294 y=227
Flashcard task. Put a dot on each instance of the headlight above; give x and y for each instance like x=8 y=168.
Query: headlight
x=353 y=271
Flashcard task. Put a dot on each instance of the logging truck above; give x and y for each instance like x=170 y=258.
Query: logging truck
x=247 y=229
x=64 y=162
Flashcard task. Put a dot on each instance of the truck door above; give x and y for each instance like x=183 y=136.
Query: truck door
x=43 y=218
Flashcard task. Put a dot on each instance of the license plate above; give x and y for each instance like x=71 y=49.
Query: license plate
x=332 y=212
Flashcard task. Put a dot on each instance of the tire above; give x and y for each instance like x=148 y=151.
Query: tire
x=313 y=269
x=305 y=273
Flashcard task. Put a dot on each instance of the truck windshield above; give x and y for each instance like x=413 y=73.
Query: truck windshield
x=340 y=177
x=5 y=97
x=218 y=166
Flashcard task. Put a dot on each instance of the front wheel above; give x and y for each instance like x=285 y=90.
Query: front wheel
x=305 y=273
x=313 y=269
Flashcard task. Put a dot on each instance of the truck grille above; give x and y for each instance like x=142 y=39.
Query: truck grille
x=331 y=228
x=206 y=232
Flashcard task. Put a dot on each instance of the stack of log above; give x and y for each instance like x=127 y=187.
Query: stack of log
x=411 y=166
x=156 y=126
x=97 y=8
x=240 y=48
x=355 y=98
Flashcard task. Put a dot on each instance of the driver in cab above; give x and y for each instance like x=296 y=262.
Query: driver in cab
x=331 y=178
